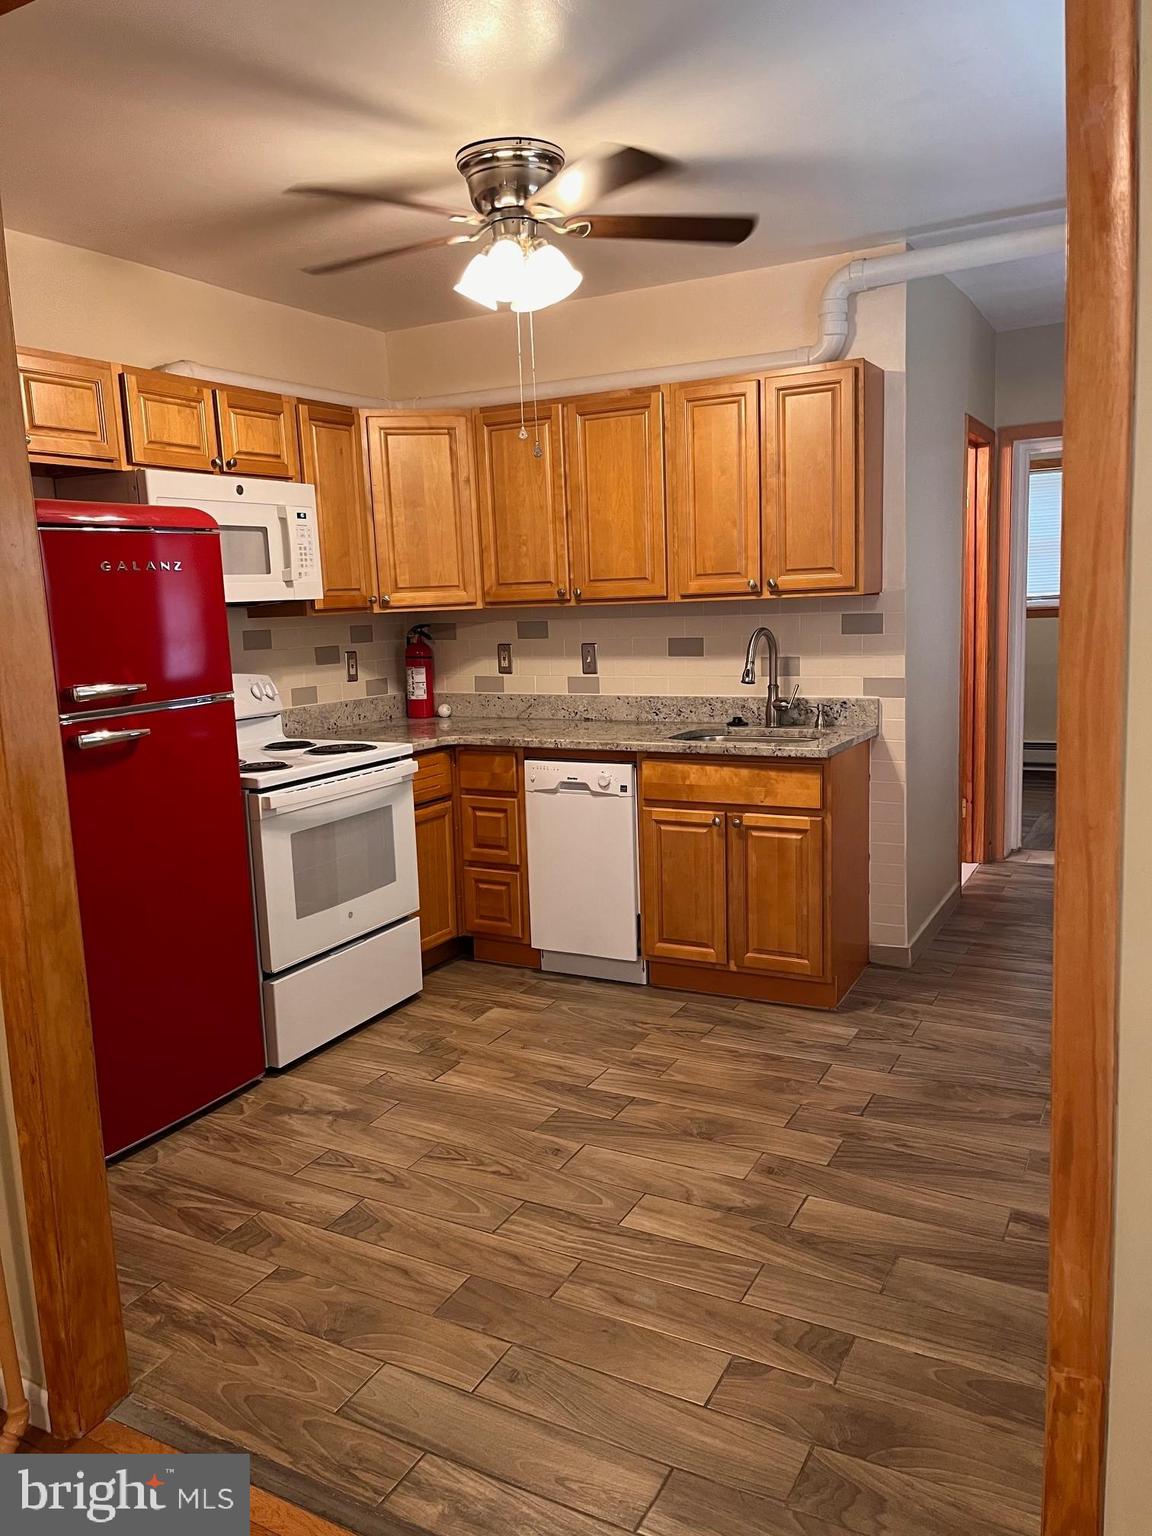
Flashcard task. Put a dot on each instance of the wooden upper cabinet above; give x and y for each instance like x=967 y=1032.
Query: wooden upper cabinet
x=170 y=420
x=423 y=508
x=714 y=487
x=523 y=538
x=683 y=870
x=71 y=412
x=257 y=433
x=614 y=472
x=821 y=488
x=776 y=893
x=332 y=459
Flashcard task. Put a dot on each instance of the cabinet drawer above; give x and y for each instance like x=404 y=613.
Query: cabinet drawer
x=477 y=768
x=493 y=903
x=433 y=777
x=680 y=781
x=490 y=830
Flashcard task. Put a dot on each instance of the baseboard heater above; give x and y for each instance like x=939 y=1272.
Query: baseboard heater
x=1040 y=756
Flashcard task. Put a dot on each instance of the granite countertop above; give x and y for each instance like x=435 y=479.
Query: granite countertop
x=631 y=736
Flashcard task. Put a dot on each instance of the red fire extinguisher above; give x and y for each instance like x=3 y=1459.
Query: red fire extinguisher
x=420 y=674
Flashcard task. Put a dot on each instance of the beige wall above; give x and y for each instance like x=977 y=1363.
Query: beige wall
x=14 y=1254
x=951 y=374
x=71 y=300
x=1041 y=638
x=1029 y=376
x=1129 y=1467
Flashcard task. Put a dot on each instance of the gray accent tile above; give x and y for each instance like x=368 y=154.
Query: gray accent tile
x=362 y=634
x=327 y=655
x=488 y=684
x=257 y=639
x=884 y=687
x=445 y=631
x=789 y=666
x=531 y=629
x=685 y=645
x=861 y=623
x=583 y=685
x=373 y=685
x=303 y=695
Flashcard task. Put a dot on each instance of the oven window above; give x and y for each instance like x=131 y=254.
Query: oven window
x=245 y=551
x=343 y=860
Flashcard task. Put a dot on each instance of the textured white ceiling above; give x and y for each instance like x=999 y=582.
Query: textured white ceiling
x=166 y=132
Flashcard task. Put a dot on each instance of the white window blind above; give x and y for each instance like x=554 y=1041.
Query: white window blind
x=1045 y=496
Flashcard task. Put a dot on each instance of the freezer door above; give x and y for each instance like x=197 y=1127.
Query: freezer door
x=165 y=902
x=135 y=609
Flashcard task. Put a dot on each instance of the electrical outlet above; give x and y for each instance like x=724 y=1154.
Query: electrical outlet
x=504 y=657
x=351 y=666
x=588 y=658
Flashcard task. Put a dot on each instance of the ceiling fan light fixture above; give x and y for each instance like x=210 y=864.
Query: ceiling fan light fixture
x=476 y=283
x=506 y=267
x=548 y=277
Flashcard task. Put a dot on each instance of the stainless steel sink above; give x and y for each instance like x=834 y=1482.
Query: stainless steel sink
x=782 y=734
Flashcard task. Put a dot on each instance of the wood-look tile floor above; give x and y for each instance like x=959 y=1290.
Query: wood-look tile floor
x=1038 y=811
x=566 y=1258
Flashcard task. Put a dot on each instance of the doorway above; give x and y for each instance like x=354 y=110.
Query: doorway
x=976 y=646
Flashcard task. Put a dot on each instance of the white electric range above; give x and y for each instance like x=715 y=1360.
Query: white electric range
x=332 y=833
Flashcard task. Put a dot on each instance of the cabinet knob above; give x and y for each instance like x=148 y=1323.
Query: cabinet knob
x=385 y=599
x=229 y=463
x=28 y=438
x=717 y=821
x=372 y=598
x=737 y=821
x=753 y=584
x=576 y=593
x=217 y=463
x=561 y=591
x=773 y=584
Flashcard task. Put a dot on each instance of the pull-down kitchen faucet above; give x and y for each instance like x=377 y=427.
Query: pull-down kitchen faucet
x=775 y=707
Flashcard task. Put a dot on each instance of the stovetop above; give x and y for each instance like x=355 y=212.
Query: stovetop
x=269 y=758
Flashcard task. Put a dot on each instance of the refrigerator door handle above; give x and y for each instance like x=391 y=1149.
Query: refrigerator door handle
x=87 y=740
x=83 y=692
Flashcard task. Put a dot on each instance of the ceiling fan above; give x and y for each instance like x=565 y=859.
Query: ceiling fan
x=521 y=190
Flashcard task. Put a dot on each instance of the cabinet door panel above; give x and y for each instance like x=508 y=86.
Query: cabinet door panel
x=425 y=515
x=523 y=541
x=714 y=487
x=257 y=433
x=490 y=830
x=331 y=451
x=436 y=870
x=493 y=903
x=810 y=490
x=171 y=421
x=776 y=893
x=682 y=856
x=70 y=408
x=614 y=470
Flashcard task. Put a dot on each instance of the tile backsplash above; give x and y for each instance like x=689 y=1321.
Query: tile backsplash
x=305 y=656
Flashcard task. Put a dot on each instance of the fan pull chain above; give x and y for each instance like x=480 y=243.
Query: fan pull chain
x=523 y=433
x=537 y=450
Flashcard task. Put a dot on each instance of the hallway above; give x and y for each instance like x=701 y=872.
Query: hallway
x=569 y=1258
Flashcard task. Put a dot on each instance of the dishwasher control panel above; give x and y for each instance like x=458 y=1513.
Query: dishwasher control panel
x=615 y=779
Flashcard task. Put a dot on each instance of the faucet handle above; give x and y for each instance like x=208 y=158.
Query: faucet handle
x=781 y=707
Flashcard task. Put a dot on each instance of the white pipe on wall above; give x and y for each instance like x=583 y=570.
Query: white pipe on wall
x=856 y=276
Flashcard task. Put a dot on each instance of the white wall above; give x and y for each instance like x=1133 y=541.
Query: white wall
x=1029 y=376
x=66 y=299
x=1041 y=640
x=14 y=1254
x=951 y=374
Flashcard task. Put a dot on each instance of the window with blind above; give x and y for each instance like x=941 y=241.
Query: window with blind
x=1045 y=495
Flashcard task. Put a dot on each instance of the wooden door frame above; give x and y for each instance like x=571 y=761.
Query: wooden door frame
x=1004 y=542
x=976 y=641
x=42 y=978
x=1103 y=126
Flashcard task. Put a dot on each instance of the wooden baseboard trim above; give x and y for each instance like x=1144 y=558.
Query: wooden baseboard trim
x=505 y=952
x=793 y=991
x=440 y=954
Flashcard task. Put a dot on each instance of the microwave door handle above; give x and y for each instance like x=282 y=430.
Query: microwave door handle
x=287 y=543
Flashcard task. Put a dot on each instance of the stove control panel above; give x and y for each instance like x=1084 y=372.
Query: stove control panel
x=255 y=694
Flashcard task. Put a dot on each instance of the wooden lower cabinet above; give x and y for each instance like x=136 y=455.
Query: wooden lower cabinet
x=685 y=887
x=436 y=868
x=494 y=876
x=490 y=830
x=493 y=903
x=776 y=893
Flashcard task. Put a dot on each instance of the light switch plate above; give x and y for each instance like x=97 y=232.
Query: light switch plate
x=588 y=658
x=504 y=657
x=351 y=666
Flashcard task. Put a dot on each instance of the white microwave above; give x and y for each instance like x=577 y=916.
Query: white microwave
x=268 y=540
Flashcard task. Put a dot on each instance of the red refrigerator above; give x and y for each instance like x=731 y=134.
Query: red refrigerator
x=144 y=679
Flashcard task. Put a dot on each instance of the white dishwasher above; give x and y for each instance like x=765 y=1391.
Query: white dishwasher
x=583 y=876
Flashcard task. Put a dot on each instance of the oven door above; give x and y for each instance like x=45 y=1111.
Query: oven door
x=332 y=860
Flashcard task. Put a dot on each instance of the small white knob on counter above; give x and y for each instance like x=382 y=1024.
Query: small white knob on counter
x=444 y=711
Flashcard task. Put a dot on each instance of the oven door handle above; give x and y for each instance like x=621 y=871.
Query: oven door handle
x=302 y=796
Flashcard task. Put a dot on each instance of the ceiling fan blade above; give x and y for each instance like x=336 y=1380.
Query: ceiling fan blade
x=710 y=229
x=395 y=196
x=348 y=262
x=605 y=170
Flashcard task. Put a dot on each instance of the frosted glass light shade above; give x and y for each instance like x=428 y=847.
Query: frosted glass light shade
x=548 y=277
x=474 y=282
x=505 y=273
